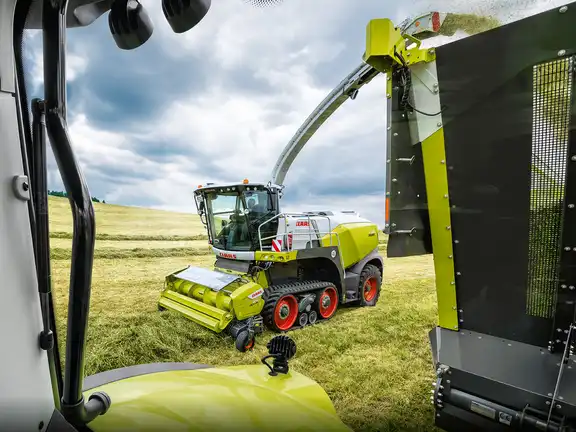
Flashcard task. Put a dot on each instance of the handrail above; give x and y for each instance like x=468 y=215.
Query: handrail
x=318 y=232
x=74 y=408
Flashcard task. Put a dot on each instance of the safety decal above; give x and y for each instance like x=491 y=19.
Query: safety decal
x=277 y=245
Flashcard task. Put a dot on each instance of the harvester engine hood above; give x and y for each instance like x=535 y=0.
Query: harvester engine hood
x=197 y=397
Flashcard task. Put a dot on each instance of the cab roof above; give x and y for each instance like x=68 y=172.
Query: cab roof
x=241 y=184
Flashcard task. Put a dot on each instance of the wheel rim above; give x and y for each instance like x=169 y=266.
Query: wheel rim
x=328 y=302
x=286 y=312
x=250 y=344
x=370 y=289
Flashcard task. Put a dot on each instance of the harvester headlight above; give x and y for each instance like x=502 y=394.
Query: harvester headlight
x=280 y=348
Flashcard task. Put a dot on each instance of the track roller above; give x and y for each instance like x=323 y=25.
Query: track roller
x=285 y=313
x=312 y=317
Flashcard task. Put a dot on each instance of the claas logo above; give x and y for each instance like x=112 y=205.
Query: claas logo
x=227 y=255
x=302 y=223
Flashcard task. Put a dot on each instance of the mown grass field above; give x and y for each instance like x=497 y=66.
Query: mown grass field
x=374 y=363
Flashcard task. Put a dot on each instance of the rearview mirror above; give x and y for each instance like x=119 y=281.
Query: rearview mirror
x=183 y=15
x=129 y=24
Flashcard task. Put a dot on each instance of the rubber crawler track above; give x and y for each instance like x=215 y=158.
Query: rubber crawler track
x=273 y=293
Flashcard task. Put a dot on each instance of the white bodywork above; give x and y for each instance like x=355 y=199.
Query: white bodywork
x=26 y=398
x=236 y=255
x=304 y=230
x=425 y=93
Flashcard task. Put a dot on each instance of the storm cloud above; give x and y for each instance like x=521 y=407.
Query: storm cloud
x=220 y=102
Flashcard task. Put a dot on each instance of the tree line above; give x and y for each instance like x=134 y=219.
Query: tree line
x=64 y=195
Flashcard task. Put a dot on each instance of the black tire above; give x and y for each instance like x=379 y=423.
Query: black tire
x=244 y=342
x=370 y=285
x=282 y=303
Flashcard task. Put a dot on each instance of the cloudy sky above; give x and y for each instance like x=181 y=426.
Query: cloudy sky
x=220 y=102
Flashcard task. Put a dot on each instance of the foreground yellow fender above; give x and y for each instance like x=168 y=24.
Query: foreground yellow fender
x=237 y=398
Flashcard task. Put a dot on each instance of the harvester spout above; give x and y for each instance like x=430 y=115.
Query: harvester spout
x=424 y=26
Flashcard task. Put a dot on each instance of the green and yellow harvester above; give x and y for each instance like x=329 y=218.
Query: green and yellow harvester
x=274 y=269
x=287 y=270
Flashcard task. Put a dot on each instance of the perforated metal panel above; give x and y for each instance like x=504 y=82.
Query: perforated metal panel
x=552 y=98
x=489 y=139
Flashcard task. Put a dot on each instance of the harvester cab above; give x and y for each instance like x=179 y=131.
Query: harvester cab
x=238 y=216
x=274 y=269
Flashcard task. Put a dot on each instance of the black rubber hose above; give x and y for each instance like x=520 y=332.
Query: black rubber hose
x=54 y=31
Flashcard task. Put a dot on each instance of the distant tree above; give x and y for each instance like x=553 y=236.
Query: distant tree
x=57 y=193
x=64 y=195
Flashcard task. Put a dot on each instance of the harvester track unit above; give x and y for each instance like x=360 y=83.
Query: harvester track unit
x=280 y=271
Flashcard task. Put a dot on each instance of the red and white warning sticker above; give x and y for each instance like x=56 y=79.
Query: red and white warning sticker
x=277 y=245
